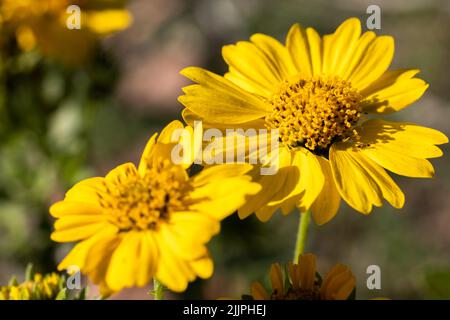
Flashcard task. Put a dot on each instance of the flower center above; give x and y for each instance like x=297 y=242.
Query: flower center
x=314 y=112
x=297 y=294
x=142 y=202
x=302 y=294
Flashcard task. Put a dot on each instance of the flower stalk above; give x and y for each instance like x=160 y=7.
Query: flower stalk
x=302 y=233
x=158 y=290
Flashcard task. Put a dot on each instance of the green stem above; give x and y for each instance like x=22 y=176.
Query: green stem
x=158 y=290
x=302 y=232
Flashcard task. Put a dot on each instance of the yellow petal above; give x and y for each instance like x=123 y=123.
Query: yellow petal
x=189 y=117
x=107 y=21
x=406 y=138
x=219 y=199
x=69 y=208
x=77 y=256
x=392 y=92
x=120 y=172
x=189 y=231
x=354 y=183
x=327 y=41
x=258 y=292
x=147 y=155
x=274 y=188
x=338 y=283
x=344 y=41
x=401 y=147
x=359 y=53
x=145 y=258
x=266 y=212
x=277 y=54
x=374 y=63
x=389 y=78
x=289 y=188
x=389 y=189
x=315 y=47
x=311 y=178
x=148 y=255
x=276 y=279
x=308 y=267
x=98 y=259
x=173 y=272
x=76 y=221
x=298 y=46
x=74 y=228
x=303 y=182
x=86 y=191
x=203 y=267
x=327 y=203
x=247 y=83
x=255 y=70
x=289 y=205
x=400 y=163
x=121 y=271
x=294 y=275
x=216 y=98
x=217 y=172
x=270 y=186
x=375 y=182
x=166 y=134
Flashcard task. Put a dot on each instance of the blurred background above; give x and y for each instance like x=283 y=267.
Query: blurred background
x=75 y=104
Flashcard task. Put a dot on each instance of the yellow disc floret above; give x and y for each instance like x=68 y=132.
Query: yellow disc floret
x=40 y=287
x=314 y=112
x=141 y=202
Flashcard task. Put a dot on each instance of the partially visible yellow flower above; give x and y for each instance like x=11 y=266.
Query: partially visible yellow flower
x=303 y=283
x=43 y=24
x=148 y=221
x=317 y=91
x=40 y=287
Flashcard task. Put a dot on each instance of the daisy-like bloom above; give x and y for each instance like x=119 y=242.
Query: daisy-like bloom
x=43 y=24
x=318 y=92
x=40 y=287
x=150 y=221
x=303 y=282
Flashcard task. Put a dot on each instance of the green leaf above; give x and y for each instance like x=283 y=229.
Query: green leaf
x=13 y=281
x=82 y=294
x=29 y=272
x=62 y=295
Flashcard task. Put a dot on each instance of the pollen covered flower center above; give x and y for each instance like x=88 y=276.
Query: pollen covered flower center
x=314 y=112
x=142 y=202
x=302 y=294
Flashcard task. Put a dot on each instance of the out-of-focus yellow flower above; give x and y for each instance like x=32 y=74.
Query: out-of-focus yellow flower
x=303 y=282
x=43 y=24
x=316 y=91
x=40 y=287
x=149 y=221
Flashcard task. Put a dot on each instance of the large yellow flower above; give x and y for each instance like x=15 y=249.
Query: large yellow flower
x=303 y=283
x=150 y=221
x=317 y=91
x=43 y=24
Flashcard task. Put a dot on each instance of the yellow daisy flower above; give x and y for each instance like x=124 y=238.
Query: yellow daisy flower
x=40 y=287
x=149 y=221
x=43 y=24
x=317 y=91
x=303 y=282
